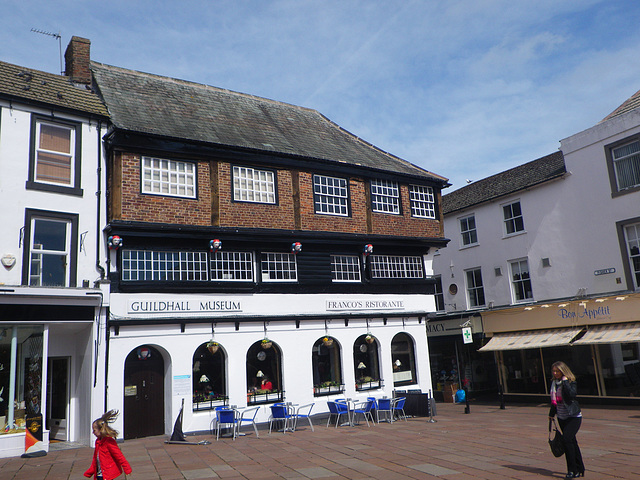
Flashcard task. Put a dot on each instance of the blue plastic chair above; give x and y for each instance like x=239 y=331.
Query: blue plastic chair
x=398 y=407
x=248 y=416
x=279 y=413
x=303 y=411
x=384 y=406
x=337 y=409
x=225 y=418
x=365 y=409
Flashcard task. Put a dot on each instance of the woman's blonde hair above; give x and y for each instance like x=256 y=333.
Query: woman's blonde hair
x=103 y=424
x=566 y=371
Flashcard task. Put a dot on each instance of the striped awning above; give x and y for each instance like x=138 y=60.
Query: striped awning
x=611 y=333
x=531 y=339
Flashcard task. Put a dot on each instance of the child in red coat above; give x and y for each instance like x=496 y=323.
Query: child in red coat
x=108 y=461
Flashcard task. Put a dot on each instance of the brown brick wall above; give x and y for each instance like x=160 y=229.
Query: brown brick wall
x=290 y=213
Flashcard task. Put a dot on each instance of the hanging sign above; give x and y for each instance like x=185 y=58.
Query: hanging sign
x=467 y=336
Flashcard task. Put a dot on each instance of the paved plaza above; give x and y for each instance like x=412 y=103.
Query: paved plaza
x=487 y=443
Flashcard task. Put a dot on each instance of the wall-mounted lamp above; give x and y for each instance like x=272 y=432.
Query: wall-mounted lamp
x=215 y=245
x=296 y=248
x=368 y=249
x=114 y=242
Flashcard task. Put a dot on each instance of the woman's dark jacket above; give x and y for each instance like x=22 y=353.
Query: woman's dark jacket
x=569 y=393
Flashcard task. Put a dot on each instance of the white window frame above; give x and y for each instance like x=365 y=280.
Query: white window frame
x=253 y=185
x=70 y=155
x=439 y=294
x=475 y=290
x=516 y=284
x=231 y=266
x=385 y=196
x=330 y=195
x=163 y=266
x=468 y=234
x=345 y=268
x=36 y=252
x=632 y=241
x=626 y=165
x=423 y=201
x=170 y=178
x=396 y=266
x=278 y=267
x=510 y=219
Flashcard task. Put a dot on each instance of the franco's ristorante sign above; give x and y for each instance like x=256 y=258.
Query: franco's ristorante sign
x=183 y=306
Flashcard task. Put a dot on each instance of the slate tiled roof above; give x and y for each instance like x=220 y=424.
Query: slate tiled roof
x=505 y=183
x=178 y=109
x=631 y=103
x=47 y=89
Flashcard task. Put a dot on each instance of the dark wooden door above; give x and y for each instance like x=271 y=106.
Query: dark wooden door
x=143 y=393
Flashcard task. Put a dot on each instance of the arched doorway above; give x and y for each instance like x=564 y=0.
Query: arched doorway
x=143 y=393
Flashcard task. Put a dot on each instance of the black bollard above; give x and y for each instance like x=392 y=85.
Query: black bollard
x=466 y=401
x=501 y=391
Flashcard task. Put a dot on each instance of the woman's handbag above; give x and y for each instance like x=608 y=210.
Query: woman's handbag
x=556 y=444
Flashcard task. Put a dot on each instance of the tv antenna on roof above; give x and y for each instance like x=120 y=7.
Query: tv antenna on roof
x=54 y=35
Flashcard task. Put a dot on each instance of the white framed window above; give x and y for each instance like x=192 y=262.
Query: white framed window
x=168 y=177
x=50 y=247
x=345 y=268
x=55 y=153
x=330 y=195
x=231 y=266
x=385 y=196
x=423 y=203
x=632 y=239
x=279 y=267
x=439 y=294
x=521 y=281
x=251 y=185
x=626 y=165
x=149 y=265
x=396 y=266
x=468 y=231
x=513 y=219
x=475 y=289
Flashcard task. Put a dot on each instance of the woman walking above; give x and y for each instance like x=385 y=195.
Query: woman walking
x=563 y=403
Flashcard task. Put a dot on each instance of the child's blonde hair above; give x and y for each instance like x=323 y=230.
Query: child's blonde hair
x=103 y=424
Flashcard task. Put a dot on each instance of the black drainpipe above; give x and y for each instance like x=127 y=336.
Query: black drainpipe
x=99 y=267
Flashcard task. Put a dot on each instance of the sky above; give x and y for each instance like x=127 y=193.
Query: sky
x=462 y=88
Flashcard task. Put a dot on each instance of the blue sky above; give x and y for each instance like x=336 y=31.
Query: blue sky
x=463 y=88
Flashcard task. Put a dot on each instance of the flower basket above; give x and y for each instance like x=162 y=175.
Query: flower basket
x=266 y=343
x=213 y=347
x=369 y=339
x=327 y=341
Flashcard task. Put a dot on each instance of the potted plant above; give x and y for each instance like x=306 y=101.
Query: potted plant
x=266 y=343
x=327 y=341
x=369 y=338
x=213 y=346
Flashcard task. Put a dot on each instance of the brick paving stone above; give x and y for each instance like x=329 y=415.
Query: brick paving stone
x=488 y=444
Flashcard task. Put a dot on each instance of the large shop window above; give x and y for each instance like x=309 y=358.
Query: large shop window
x=327 y=370
x=403 y=359
x=55 y=156
x=168 y=177
x=366 y=363
x=209 y=379
x=51 y=257
x=20 y=352
x=264 y=373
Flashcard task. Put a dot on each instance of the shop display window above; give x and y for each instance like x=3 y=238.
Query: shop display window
x=20 y=395
x=264 y=373
x=366 y=363
x=620 y=369
x=209 y=380
x=403 y=360
x=327 y=367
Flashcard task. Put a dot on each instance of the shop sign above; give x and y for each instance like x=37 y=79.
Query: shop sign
x=467 y=336
x=603 y=312
x=184 y=306
x=349 y=305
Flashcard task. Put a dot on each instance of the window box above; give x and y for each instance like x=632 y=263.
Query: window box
x=368 y=385
x=200 y=403
x=262 y=396
x=324 y=389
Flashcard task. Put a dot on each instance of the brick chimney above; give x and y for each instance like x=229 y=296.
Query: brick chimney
x=77 y=59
